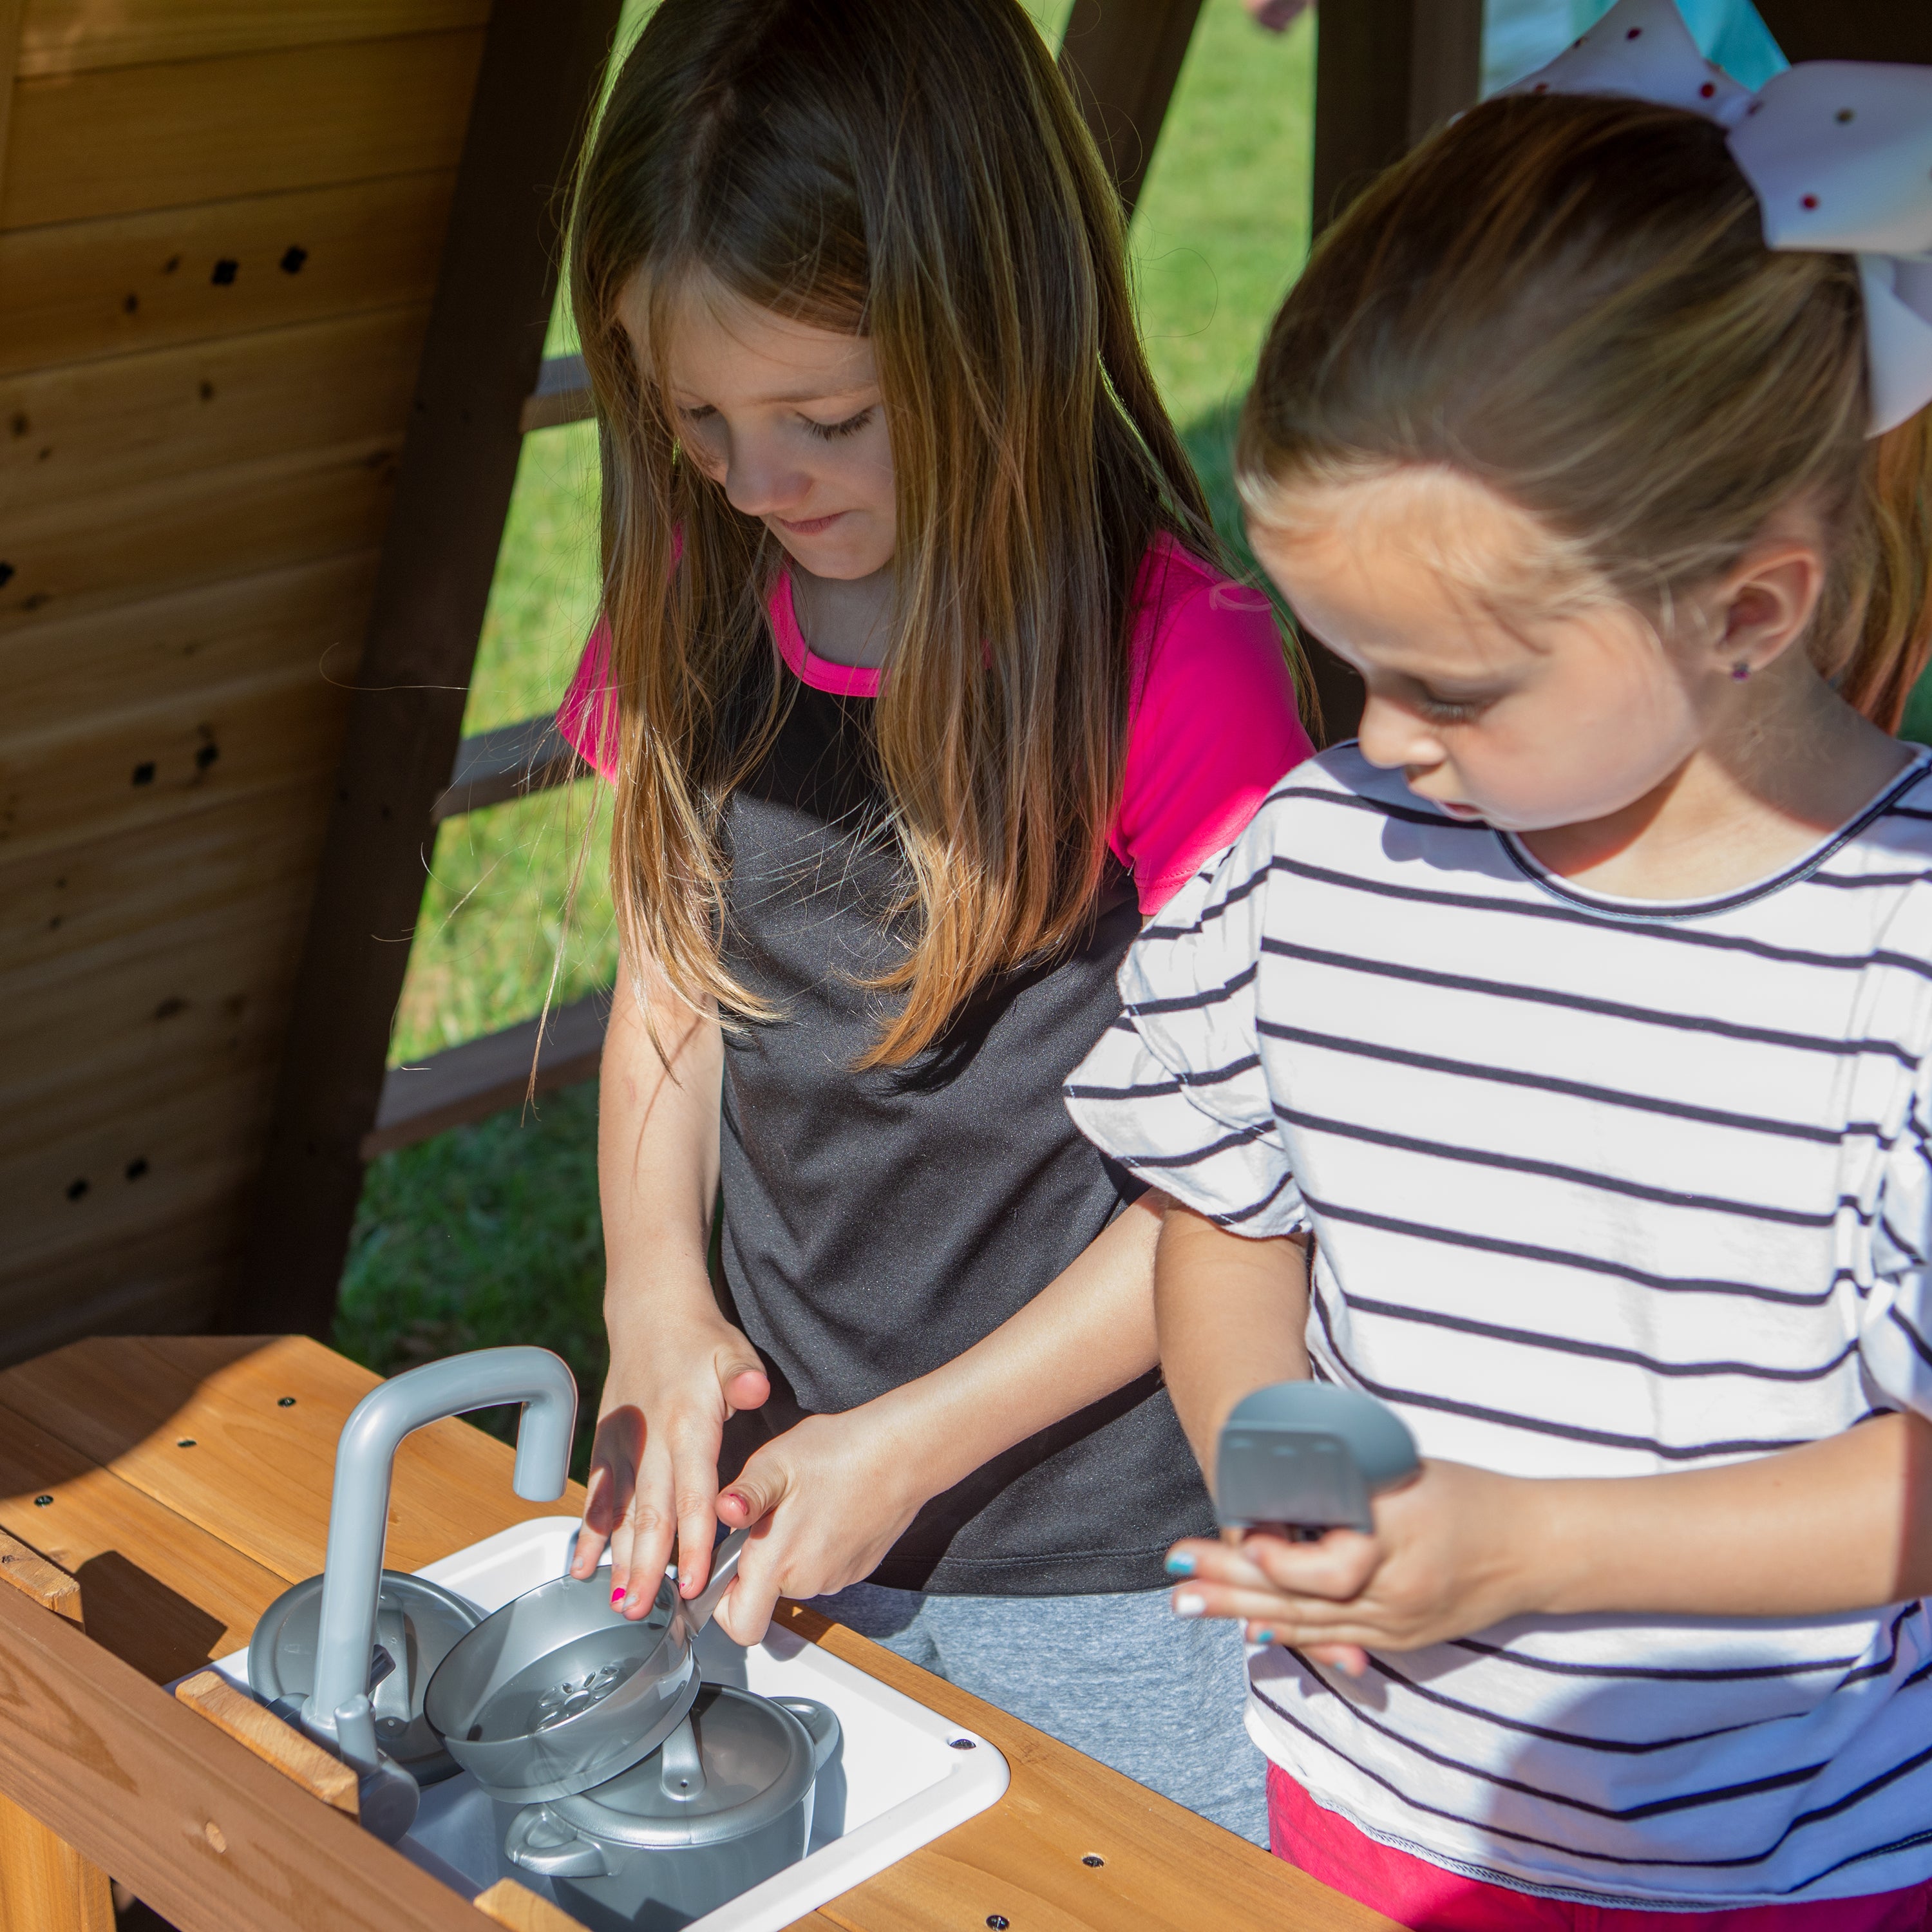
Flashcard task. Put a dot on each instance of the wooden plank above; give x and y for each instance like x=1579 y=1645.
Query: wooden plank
x=12 y=14
x=46 y=1885
x=66 y=36
x=81 y=290
x=1865 y=30
x=160 y=1277
x=543 y=61
x=1023 y=1860
x=131 y=658
x=1122 y=59
x=203 y=1832
x=178 y=1146
x=27 y=1570
x=482 y=1077
x=561 y=395
x=80 y=429
x=509 y=1904
x=509 y=763
x=126 y=1402
x=135 y=771
x=121 y=140
x=258 y=1729
x=162 y=1594
x=1386 y=72
x=84 y=909
x=179 y=531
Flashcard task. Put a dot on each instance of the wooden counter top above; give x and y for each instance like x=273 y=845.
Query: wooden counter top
x=184 y=1482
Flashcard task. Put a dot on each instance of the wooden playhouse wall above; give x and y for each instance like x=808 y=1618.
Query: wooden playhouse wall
x=221 y=222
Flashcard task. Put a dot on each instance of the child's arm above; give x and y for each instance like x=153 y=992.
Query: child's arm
x=1840 y=1524
x=1231 y=1314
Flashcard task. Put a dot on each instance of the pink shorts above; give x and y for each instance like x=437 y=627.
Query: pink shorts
x=1428 y=1899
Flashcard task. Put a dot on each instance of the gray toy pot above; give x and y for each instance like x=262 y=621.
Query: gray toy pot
x=724 y=1803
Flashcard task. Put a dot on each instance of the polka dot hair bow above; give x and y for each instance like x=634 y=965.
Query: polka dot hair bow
x=1839 y=153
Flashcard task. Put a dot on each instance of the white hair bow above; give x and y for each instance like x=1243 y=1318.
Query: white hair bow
x=1839 y=153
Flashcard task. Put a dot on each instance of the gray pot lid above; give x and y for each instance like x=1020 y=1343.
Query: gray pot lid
x=418 y=1624
x=738 y=1762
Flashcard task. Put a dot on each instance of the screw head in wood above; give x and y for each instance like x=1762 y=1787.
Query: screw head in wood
x=41 y=1502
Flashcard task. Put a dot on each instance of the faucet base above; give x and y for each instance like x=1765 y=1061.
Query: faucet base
x=418 y=1624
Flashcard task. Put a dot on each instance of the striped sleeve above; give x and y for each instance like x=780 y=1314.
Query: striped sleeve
x=1895 y=1332
x=1174 y=1089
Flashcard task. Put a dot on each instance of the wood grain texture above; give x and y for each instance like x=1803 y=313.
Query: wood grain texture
x=67 y=36
x=258 y=1729
x=1122 y=59
x=84 y=909
x=202 y=1830
x=158 y=1278
x=130 y=545
x=539 y=75
x=28 y=1571
x=80 y=429
x=123 y=140
x=46 y=1885
x=132 y=658
x=1164 y=1869
x=81 y=290
x=482 y=1077
x=126 y=1402
x=508 y=1903
x=161 y=1593
x=13 y=18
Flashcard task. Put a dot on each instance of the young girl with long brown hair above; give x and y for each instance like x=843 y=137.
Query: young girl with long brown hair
x=921 y=687
x=1556 y=1063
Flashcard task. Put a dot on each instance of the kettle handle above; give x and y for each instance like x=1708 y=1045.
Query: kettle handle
x=724 y=1567
x=821 y=1725
x=541 y=1842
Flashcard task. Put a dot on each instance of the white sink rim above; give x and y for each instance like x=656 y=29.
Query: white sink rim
x=973 y=1777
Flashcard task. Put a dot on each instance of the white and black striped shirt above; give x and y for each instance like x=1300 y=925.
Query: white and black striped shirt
x=1598 y=1187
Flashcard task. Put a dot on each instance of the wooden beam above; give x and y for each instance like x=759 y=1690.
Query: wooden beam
x=561 y=395
x=542 y=61
x=1865 y=30
x=1122 y=59
x=494 y=767
x=1386 y=73
x=482 y=1077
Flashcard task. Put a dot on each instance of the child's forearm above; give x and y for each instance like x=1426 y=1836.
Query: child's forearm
x=1232 y=1314
x=1843 y=1524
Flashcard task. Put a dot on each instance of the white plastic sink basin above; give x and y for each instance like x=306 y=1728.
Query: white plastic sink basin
x=903 y=1774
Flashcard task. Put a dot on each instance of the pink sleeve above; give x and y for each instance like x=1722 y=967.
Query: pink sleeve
x=588 y=716
x=1214 y=726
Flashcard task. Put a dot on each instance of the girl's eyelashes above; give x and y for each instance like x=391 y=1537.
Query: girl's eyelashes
x=832 y=432
x=1449 y=710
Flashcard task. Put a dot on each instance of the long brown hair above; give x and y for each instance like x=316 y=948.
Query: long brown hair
x=1570 y=299
x=917 y=174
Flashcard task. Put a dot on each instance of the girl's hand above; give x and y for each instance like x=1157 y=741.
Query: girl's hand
x=830 y=1496
x=1454 y=1552
x=654 y=1461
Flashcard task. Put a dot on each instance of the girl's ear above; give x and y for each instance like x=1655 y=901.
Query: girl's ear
x=1766 y=602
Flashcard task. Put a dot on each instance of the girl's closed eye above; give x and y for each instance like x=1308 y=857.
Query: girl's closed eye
x=1438 y=709
x=851 y=426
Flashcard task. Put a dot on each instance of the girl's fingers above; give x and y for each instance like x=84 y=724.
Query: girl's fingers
x=760 y=1486
x=642 y=1545
x=1300 y=1621
x=1338 y=1567
x=744 y=1611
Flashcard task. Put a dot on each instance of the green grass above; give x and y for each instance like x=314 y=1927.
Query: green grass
x=490 y=1234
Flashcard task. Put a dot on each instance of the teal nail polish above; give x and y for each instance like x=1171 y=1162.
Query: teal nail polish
x=1265 y=1636
x=1180 y=1564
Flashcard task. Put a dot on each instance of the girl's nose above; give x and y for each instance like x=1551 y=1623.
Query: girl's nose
x=760 y=483
x=1391 y=736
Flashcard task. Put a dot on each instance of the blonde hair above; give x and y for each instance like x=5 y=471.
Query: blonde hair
x=1569 y=299
x=918 y=174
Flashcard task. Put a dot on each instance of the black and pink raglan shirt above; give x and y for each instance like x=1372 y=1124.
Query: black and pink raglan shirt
x=877 y=1224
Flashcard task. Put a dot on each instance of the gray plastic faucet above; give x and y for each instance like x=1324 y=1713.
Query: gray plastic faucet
x=359 y=1510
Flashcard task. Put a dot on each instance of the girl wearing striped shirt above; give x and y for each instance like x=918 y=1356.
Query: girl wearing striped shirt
x=1555 y=1063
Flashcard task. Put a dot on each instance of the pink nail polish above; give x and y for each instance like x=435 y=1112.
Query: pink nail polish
x=616 y=1596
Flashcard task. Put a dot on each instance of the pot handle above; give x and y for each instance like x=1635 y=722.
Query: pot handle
x=541 y=1842
x=821 y=1724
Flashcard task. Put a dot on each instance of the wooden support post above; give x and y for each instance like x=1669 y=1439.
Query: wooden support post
x=46 y=1885
x=541 y=62
x=1386 y=73
x=1121 y=57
